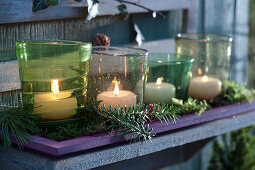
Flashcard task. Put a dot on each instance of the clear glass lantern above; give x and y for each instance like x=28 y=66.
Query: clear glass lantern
x=117 y=75
x=168 y=77
x=211 y=53
x=53 y=78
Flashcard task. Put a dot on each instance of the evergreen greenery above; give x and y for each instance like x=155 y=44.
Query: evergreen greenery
x=233 y=93
x=237 y=154
x=88 y=125
x=129 y=122
x=191 y=106
x=18 y=124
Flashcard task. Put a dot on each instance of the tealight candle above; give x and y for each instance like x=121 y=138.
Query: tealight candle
x=55 y=105
x=158 y=92
x=117 y=97
x=204 y=87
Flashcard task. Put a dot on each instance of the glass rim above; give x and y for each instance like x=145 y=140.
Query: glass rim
x=185 y=59
x=55 y=42
x=136 y=51
x=196 y=37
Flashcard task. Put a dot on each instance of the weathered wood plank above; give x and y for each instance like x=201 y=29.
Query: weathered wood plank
x=21 y=10
x=9 y=33
x=192 y=17
x=231 y=17
x=9 y=76
x=219 y=16
x=241 y=40
x=118 y=31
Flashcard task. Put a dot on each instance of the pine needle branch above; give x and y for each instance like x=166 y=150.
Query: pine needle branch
x=133 y=120
x=15 y=122
x=163 y=112
x=124 y=121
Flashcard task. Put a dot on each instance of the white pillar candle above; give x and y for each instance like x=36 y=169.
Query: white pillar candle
x=117 y=98
x=158 y=92
x=204 y=87
x=55 y=105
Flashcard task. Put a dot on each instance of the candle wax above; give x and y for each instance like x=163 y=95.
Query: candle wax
x=55 y=105
x=154 y=93
x=204 y=89
x=121 y=99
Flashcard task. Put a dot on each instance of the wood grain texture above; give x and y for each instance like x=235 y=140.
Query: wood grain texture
x=21 y=10
x=219 y=16
x=231 y=17
x=192 y=17
x=58 y=149
x=9 y=33
x=241 y=40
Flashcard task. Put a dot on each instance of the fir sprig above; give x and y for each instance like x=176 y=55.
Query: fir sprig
x=15 y=122
x=124 y=121
x=163 y=112
x=133 y=121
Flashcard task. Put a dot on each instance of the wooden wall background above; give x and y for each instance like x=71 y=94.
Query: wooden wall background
x=205 y=16
x=120 y=32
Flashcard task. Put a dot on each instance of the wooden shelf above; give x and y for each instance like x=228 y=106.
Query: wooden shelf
x=104 y=149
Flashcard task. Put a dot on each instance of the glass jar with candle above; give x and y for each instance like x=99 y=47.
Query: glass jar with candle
x=211 y=53
x=53 y=78
x=117 y=75
x=167 y=77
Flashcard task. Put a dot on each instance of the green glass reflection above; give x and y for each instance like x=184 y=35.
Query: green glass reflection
x=211 y=53
x=53 y=77
x=171 y=69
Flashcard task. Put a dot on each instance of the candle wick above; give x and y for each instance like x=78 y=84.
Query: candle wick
x=115 y=95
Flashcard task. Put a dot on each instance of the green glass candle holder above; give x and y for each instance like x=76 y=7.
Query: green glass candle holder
x=211 y=53
x=53 y=78
x=168 y=76
x=117 y=75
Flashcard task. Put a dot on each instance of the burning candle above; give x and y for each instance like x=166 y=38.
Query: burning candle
x=204 y=87
x=158 y=92
x=55 y=105
x=117 y=97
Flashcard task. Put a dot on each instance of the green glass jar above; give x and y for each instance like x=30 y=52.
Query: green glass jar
x=211 y=53
x=167 y=77
x=117 y=75
x=53 y=77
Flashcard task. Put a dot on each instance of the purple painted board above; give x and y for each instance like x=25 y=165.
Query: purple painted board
x=58 y=149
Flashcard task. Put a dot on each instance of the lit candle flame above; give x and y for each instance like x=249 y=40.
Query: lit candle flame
x=204 y=78
x=54 y=86
x=99 y=69
x=199 y=71
x=116 y=89
x=158 y=82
